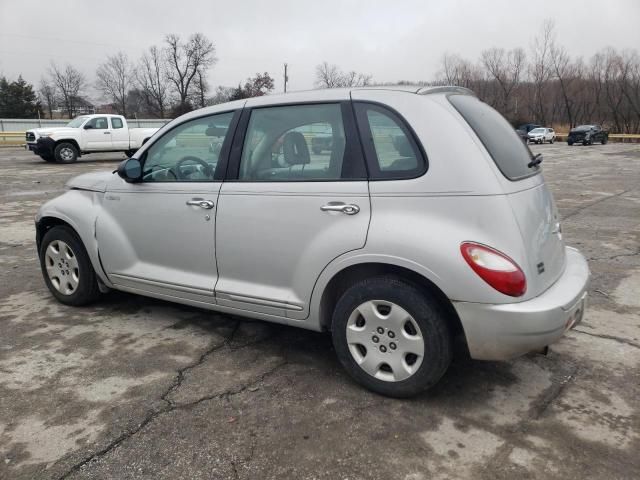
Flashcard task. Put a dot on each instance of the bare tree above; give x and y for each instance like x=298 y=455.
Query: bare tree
x=70 y=83
x=201 y=87
x=114 y=79
x=566 y=72
x=540 y=69
x=328 y=76
x=151 y=76
x=48 y=93
x=505 y=68
x=331 y=76
x=185 y=60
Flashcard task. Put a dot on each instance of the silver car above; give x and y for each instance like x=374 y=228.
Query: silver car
x=425 y=220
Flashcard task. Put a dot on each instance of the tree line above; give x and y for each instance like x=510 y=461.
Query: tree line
x=548 y=86
x=166 y=81
x=543 y=84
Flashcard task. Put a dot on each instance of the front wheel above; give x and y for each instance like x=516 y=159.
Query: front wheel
x=551 y=141
x=390 y=337
x=66 y=267
x=48 y=158
x=605 y=140
x=66 y=152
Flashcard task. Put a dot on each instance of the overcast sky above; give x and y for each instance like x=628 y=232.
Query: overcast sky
x=389 y=40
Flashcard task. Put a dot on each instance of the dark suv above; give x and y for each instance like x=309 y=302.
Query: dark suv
x=588 y=135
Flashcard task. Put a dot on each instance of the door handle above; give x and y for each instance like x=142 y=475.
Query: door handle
x=199 y=202
x=107 y=133
x=349 y=209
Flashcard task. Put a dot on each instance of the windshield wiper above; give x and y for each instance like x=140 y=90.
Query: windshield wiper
x=537 y=160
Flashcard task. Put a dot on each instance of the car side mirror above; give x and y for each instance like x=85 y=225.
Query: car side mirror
x=130 y=170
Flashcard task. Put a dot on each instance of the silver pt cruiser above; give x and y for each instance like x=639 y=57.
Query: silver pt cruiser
x=423 y=218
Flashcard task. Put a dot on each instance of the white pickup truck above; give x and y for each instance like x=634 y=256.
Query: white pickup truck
x=86 y=134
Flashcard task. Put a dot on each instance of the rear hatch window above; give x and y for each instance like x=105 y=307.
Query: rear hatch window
x=505 y=146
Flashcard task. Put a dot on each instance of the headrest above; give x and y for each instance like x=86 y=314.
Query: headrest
x=295 y=149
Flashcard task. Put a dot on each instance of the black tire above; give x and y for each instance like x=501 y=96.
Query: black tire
x=48 y=158
x=426 y=312
x=569 y=142
x=605 y=139
x=66 y=152
x=87 y=289
x=130 y=153
x=551 y=141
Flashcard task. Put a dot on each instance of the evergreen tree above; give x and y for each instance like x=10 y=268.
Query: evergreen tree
x=17 y=99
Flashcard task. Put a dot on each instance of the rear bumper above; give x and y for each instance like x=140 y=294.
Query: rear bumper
x=501 y=332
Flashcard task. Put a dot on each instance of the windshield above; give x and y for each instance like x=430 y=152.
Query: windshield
x=582 y=128
x=537 y=130
x=76 y=122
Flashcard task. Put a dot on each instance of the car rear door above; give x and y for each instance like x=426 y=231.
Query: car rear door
x=286 y=212
x=119 y=134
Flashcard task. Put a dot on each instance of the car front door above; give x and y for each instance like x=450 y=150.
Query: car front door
x=286 y=211
x=96 y=134
x=157 y=236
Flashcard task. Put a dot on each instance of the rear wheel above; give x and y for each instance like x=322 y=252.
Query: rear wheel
x=66 y=267
x=66 y=153
x=605 y=139
x=569 y=142
x=391 y=337
x=552 y=140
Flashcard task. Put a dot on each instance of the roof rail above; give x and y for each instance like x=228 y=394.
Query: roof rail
x=446 y=89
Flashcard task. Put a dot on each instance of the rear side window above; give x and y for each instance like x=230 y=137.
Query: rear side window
x=508 y=151
x=116 y=122
x=390 y=148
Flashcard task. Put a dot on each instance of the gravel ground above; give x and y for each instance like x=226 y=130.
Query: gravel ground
x=137 y=388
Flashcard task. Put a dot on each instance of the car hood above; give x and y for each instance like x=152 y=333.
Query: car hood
x=56 y=130
x=93 y=182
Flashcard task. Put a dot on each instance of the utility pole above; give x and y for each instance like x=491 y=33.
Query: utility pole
x=286 y=78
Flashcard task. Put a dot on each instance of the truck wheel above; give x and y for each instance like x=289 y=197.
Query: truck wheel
x=569 y=142
x=552 y=140
x=66 y=153
x=391 y=337
x=605 y=140
x=48 y=158
x=66 y=267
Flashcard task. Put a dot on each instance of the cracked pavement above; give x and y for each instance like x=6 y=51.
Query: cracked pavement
x=133 y=387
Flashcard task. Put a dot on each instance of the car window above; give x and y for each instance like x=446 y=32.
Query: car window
x=189 y=152
x=98 y=123
x=508 y=151
x=391 y=149
x=116 y=122
x=294 y=143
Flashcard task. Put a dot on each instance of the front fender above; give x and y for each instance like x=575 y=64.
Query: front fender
x=79 y=209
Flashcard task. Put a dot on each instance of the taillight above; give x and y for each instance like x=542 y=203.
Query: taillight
x=495 y=268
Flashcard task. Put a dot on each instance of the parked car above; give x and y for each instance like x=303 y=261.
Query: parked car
x=523 y=130
x=588 y=135
x=321 y=142
x=541 y=135
x=430 y=220
x=86 y=134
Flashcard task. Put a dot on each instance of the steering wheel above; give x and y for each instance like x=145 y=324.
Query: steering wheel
x=190 y=158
